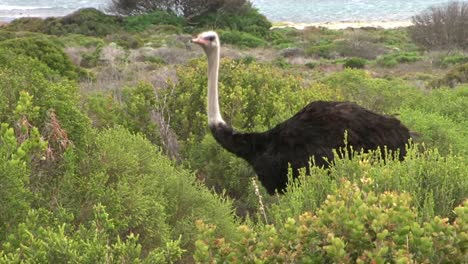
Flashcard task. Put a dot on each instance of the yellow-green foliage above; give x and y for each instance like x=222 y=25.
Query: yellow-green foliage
x=47 y=238
x=21 y=73
x=142 y=190
x=353 y=225
x=436 y=183
x=380 y=95
x=45 y=50
x=14 y=174
x=253 y=96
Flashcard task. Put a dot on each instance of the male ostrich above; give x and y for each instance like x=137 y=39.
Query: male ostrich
x=314 y=131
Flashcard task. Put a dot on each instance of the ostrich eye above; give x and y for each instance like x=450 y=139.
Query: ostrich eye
x=210 y=38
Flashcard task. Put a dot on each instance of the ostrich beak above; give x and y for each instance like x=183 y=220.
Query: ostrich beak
x=200 y=41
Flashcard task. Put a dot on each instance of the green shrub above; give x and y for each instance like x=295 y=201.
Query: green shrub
x=125 y=40
x=33 y=24
x=46 y=238
x=453 y=59
x=87 y=21
x=435 y=182
x=15 y=157
x=437 y=131
x=142 y=22
x=380 y=95
x=354 y=224
x=394 y=59
x=45 y=50
x=250 y=21
x=241 y=39
x=48 y=90
x=142 y=191
x=355 y=63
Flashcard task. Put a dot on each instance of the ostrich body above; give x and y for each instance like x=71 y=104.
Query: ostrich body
x=313 y=132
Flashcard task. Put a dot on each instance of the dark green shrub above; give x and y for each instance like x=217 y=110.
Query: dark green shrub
x=250 y=21
x=47 y=50
x=311 y=65
x=33 y=24
x=87 y=21
x=453 y=59
x=241 y=39
x=125 y=40
x=355 y=63
x=142 y=22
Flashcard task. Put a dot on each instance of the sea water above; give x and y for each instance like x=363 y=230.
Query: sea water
x=276 y=10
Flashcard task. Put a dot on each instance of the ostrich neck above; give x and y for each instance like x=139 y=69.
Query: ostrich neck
x=214 y=114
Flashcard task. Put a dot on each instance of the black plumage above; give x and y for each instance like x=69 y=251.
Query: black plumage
x=313 y=132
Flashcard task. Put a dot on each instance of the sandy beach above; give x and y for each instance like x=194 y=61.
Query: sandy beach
x=345 y=24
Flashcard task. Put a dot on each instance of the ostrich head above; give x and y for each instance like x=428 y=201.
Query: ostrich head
x=208 y=40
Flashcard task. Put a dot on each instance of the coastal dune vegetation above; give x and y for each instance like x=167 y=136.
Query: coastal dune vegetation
x=106 y=157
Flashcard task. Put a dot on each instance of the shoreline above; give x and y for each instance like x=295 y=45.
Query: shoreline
x=345 y=24
x=337 y=25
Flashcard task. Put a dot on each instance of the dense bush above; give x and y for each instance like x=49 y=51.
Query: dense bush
x=354 y=224
x=355 y=63
x=443 y=26
x=143 y=192
x=48 y=90
x=394 y=59
x=241 y=39
x=250 y=21
x=88 y=21
x=157 y=17
x=380 y=95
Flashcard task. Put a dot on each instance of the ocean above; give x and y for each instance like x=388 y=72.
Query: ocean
x=307 y=11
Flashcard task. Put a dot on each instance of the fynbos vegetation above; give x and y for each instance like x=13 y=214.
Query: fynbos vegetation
x=106 y=157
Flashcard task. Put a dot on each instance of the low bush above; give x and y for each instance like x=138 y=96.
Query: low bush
x=47 y=50
x=142 y=22
x=87 y=21
x=454 y=59
x=394 y=59
x=249 y=21
x=241 y=39
x=378 y=227
x=33 y=24
x=142 y=191
x=355 y=63
x=125 y=40
x=380 y=95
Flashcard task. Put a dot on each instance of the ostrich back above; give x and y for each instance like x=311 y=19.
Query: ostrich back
x=312 y=132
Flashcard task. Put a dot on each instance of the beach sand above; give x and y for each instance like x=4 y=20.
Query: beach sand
x=344 y=25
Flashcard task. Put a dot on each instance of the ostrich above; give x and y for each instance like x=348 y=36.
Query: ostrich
x=313 y=132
